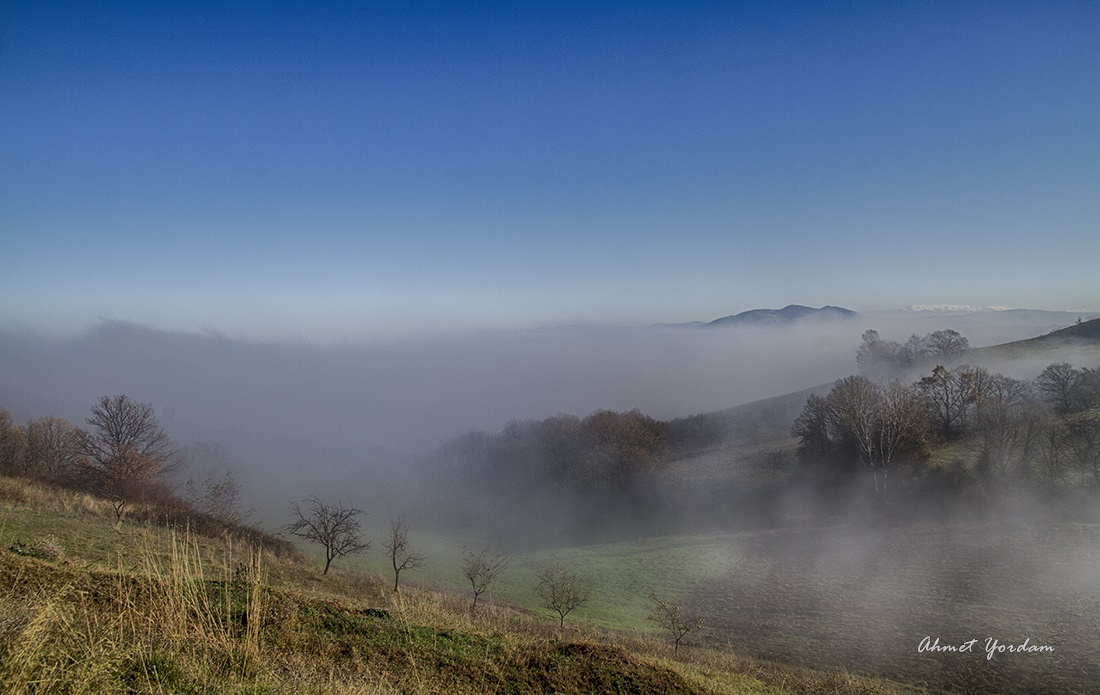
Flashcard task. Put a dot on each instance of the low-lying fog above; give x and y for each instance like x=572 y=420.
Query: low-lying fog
x=299 y=418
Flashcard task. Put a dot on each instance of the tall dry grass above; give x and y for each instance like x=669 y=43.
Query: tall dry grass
x=39 y=495
x=169 y=627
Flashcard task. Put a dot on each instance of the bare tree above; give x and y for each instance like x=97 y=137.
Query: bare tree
x=672 y=619
x=881 y=424
x=853 y=408
x=875 y=354
x=1049 y=458
x=902 y=425
x=398 y=547
x=1082 y=439
x=560 y=590
x=220 y=494
x=950 y=393
x=223 y=498
x=814 y=428
x=124 y=450
x=334 y=526
x=1060 y=386
x=1008 y=423
x=913 y=350
x=621 y=447
x=777 y=460
x=947 y=342
x=481 y=569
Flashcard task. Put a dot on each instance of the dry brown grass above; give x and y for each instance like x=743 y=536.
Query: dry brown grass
x=66 y=630
x=185 y=623
x=31 y=493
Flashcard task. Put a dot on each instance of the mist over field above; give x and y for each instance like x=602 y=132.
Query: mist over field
x=348 y=418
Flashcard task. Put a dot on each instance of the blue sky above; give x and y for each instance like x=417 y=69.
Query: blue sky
x=335 y=171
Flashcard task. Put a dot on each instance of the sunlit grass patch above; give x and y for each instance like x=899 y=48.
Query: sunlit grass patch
x=623 y=575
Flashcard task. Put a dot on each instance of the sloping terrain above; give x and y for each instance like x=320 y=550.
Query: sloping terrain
x=1078 y=344
x=88 y=605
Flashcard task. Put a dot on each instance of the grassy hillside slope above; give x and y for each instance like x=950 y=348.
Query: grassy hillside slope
x=87 y=605
x=1079 y=343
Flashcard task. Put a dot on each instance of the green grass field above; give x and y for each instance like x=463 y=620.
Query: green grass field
x=620 y=576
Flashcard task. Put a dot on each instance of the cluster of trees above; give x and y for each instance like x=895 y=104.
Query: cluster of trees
x=862 y=422
x=1046 y=429
x=604 y=455
x=122 y=454
x=46 y=448
x=876 y=355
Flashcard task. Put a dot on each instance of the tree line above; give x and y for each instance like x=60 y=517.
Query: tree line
x=876 y=355
x=1046 y=429
x=605 y=456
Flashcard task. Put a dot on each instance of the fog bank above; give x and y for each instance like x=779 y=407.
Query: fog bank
x=296 y=413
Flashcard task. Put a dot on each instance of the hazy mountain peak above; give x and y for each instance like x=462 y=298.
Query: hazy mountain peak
x=785 y=316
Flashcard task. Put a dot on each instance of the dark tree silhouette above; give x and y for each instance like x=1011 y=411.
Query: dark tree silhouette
x=334 y=526
x=398 y=547
x=560 y=590
x=672 y=619
x=481 y=569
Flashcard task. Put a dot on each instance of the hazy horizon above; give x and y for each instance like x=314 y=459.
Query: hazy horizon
x=387 y=392
x=334 y=173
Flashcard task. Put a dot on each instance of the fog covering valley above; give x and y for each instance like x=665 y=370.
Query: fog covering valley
x=345 y=417
x=490 y=438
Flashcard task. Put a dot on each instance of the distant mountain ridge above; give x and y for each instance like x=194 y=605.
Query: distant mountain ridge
x=954 y=308
x=789 y=314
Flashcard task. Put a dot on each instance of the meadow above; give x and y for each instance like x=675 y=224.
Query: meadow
x=855 y=598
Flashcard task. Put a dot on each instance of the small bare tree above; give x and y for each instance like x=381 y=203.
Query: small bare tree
x=219 y=493
x=672 y=619
x=482 y=569
x=560 y=590
x=332 y=525
x=398 y=547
